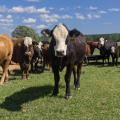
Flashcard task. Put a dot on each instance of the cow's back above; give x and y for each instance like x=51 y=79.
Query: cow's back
x=6 y=47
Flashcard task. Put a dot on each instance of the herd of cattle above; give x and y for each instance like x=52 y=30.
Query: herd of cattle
x=67 y=48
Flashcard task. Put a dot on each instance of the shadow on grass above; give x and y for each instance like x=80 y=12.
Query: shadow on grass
x=14 y=102
x=14 y=74
x=100 y=64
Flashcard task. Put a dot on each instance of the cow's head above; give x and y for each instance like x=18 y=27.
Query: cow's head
x=101 y=42
x=113 y=49
x=28 y=47
x=59 y=36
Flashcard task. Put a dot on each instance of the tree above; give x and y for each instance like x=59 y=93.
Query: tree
x=23 y=31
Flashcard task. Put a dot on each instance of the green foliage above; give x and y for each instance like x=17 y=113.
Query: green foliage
x=23 y=31
x=95 y=37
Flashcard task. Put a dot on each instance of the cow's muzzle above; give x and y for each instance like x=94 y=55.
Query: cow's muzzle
x=60 y=53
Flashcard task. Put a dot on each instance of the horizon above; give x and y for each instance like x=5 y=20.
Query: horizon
x=89 y=17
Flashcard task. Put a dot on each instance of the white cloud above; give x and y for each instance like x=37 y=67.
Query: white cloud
x=28 y=9
x=29 y=21
x=41 y=26
x=96 y=16
x=51 y=8
x=61 y=9
x=102 y=12
x=49 y=18
x=89 y=16
x=6 y=19
x=80 y=17
x=114 y=9
x=43 y=10
x=66 y=17
x=17 y=9
x=9 y=16
x=93 y=8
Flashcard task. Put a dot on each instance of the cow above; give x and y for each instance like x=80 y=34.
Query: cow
x=90 y=47
x=115 y=51
x=105 y=47
x=6 y=51
x=67 y=49
x=23 y=53
x=37 y=56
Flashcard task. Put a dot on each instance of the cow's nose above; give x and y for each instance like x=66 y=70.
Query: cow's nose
x=60 y=53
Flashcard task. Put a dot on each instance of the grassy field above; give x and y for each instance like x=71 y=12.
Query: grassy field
x=98 y=98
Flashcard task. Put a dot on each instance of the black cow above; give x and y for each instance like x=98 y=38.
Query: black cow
x=107 y=48
x=37 y=56
x=67 y=48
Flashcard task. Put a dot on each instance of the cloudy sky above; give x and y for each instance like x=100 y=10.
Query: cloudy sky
x=89 y=16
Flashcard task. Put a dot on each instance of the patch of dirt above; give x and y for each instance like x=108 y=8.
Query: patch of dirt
x=13 y=67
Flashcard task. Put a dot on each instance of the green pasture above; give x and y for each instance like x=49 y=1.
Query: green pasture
x=97 y=99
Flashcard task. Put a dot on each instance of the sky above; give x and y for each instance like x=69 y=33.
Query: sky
x=88 y=16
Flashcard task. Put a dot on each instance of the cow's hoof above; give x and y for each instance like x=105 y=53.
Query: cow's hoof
x=67 y=97
x=54 y=94
x=77 y=88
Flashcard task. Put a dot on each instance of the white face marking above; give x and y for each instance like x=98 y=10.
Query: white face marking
x=27 y=41
x=102 y=41
x=40 y=45
x=60 y=34
x=113 y=49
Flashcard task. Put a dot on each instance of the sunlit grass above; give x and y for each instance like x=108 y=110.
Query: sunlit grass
x=98 y=98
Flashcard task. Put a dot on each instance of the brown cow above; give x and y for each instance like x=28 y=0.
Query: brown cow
x=6 y=51
x=22 y=54
x=46 y=55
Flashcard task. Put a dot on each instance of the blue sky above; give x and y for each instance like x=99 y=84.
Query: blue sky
x=89 y=16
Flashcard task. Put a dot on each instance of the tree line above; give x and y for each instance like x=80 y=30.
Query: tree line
x=23 y=31
x=113 y=36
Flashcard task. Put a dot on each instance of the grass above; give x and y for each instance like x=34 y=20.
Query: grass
x=98 y=98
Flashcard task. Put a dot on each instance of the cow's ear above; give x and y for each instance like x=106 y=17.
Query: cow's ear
x=75 y=33
x=46 y=32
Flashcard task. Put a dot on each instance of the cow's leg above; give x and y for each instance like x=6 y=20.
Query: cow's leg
x=32 y=66
x=23 y=71
x=116 y=62
x=103 y=61
x=56 y=80
x=79 y=67
x=36 y=65
x=67 y=80
x=74 y=74
x=27 y=73
x=108 y=59
x=5 y=72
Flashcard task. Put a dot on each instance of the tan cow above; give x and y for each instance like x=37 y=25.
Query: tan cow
x=6 y=51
